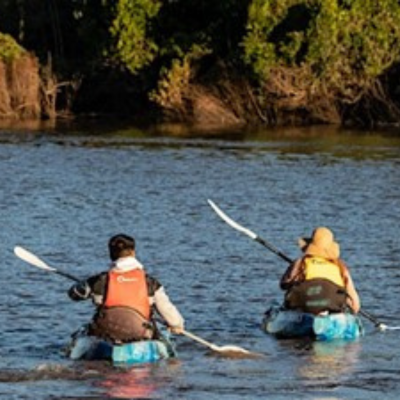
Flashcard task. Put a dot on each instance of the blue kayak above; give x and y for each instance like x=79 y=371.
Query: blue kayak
x=284 y=323
x=84 y=347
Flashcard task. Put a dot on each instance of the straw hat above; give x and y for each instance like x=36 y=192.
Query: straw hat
x=321 y=244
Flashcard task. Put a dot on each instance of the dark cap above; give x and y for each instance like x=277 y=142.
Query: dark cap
x=120 y=245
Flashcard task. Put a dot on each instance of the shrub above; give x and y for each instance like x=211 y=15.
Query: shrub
x=9 y=48
x=333 y=49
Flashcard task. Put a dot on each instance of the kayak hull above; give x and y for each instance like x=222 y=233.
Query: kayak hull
x=84 y=347
x=295 y=324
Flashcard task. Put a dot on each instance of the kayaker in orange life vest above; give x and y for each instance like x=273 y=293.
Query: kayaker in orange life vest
x=319 y=281
x=126 y=297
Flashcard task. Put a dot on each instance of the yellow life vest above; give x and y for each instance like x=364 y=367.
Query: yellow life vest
x=321 y=268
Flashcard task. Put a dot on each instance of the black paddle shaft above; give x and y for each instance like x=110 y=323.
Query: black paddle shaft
x=273 y=249
x=66 y=275
x=371 y=318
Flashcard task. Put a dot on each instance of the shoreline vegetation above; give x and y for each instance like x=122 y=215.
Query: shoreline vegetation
x=227 y=65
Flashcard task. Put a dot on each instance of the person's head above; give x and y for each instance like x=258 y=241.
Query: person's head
x=322 y=243
x=121 y=245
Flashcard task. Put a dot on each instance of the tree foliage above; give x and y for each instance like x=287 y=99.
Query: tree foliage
x=313 y=55
x=131 y=30
x=175 y=81
x=9 y=48
x=344 y=45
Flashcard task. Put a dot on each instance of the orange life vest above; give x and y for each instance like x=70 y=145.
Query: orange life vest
x=128 y=289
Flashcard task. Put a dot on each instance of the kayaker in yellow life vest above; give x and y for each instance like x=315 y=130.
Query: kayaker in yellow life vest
x=319 y=281
x=126 y=298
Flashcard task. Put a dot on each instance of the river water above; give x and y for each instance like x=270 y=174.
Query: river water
x=63 y=194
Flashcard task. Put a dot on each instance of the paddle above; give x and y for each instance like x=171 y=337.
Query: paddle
x=228 y=350
x=262 y=241
x=247 y=232
x=32 y=259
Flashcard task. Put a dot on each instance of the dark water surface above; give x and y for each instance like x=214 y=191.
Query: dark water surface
x=62 y=197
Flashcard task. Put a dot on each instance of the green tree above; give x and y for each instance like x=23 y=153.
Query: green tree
x=131 y=29
x=314 y=50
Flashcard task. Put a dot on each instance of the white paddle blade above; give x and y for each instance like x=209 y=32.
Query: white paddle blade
x=231 y=222
x=30 y=258
x=231 y=349
x=228 y=351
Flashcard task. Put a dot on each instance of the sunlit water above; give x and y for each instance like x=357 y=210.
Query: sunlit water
x=62 y=197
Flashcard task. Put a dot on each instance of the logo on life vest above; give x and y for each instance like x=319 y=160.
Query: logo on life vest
x=124 y=279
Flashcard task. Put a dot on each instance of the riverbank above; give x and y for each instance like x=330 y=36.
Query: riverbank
x=221 y=104
x=128 y=129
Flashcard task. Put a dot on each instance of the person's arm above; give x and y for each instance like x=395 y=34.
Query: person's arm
x=292 y=275
x=93 y=287
x=168 y=310
x=160 y=300
x=353 y=299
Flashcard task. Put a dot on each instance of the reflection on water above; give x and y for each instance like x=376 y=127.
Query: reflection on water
x=329 y=362
x=134 y=384
x=137 y=382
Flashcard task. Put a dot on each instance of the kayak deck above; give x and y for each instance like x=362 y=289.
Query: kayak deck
x=293 y=324
x=84 y=347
